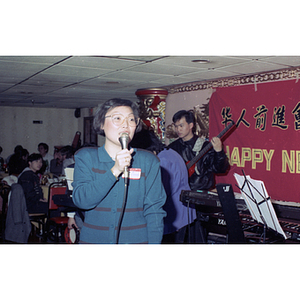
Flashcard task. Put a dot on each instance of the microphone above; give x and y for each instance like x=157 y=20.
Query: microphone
x=124 y=140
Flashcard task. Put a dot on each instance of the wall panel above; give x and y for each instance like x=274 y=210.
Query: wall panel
x=58 y=127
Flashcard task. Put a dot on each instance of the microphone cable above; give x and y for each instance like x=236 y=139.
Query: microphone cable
x=124 y=140
x=122 y=210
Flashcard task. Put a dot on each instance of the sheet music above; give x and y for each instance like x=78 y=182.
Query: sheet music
x=69 y=175
x=258 y=202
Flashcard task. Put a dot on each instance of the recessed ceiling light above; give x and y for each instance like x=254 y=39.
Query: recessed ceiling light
x=201 y=61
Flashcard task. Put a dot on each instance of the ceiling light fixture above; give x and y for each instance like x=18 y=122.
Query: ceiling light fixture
x=201 y=61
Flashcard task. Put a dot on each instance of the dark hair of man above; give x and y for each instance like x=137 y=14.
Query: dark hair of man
x=67 y=150
x=44 y=145
x=34 y=156
x=101 y=112
x=147 y=139
x=188 y=115
x=24 y=153
x=18 y=149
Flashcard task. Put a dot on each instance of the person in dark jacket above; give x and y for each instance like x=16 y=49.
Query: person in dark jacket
x=18 y=161
x=30 y=182
x=189 y=145
x=214 y=161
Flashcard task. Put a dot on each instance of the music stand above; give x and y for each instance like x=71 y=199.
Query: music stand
x=259 y=203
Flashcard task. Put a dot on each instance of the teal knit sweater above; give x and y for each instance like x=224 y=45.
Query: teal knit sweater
x=97 y=191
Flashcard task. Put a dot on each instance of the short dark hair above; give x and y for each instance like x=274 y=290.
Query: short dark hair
x=147 y=139
x=189 y=116
x=24 y=152
x=44 y=145
x=34 y=156
x=67 y=150
x=99 y=118
x=18 y=149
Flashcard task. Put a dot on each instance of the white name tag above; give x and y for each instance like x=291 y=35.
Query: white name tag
x=134 y=173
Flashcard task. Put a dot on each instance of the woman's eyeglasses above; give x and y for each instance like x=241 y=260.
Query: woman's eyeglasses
x=118 y=120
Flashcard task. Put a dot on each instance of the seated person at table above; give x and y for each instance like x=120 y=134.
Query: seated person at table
x=67 y=154
x=56 y=164
x=17 y=149
x=29 y=180
x=62 y=158
x=43 y=149
x=18 y=162
x=16 y=167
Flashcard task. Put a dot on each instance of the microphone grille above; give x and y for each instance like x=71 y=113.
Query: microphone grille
x=124 y=139
x=124 y=135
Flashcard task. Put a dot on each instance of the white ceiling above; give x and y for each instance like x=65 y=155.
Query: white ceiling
x=86 y=81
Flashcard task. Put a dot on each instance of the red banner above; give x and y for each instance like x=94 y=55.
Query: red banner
x=266 y=141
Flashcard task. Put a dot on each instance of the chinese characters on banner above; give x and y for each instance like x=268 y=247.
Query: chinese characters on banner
x=266 y=142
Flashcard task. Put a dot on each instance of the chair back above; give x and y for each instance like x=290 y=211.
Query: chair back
x=55 y=189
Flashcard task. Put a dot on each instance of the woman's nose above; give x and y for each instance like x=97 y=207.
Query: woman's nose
x=125 y=123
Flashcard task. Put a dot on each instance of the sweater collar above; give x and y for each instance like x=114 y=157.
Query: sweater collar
x=25 y=170
x=102 y=153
